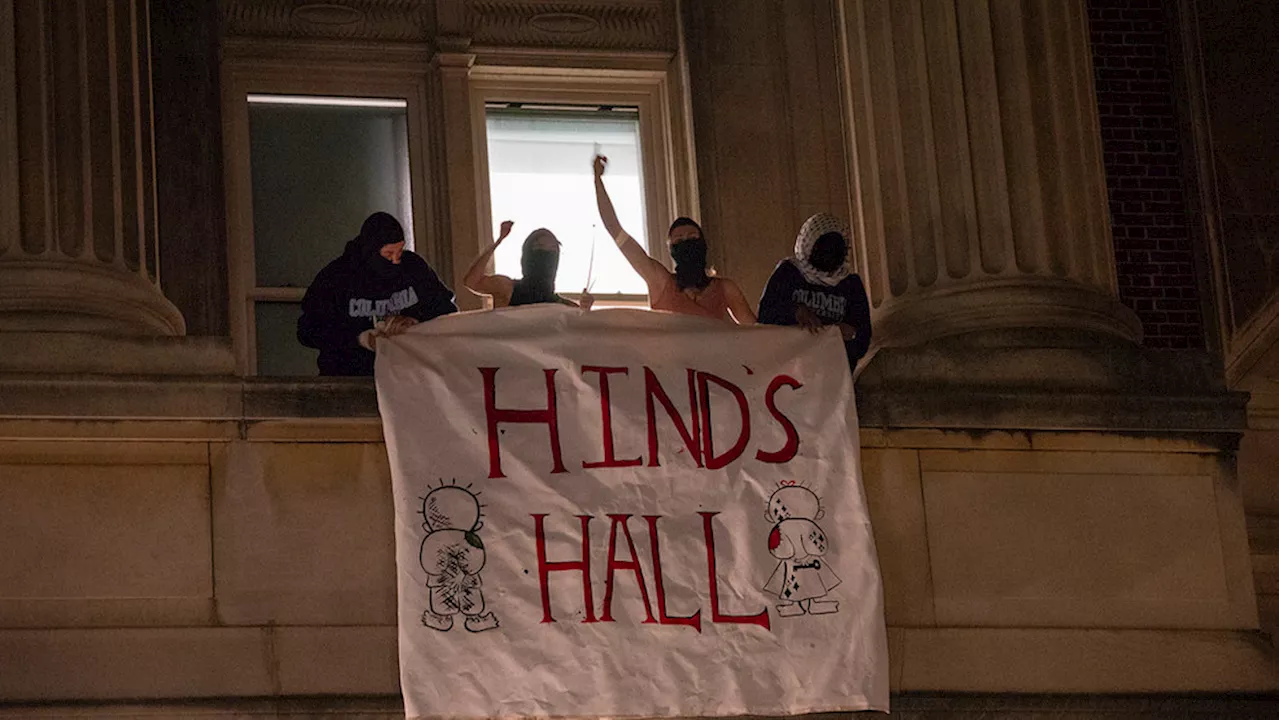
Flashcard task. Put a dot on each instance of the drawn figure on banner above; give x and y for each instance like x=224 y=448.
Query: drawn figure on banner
x=453 y=556
x=802 y=578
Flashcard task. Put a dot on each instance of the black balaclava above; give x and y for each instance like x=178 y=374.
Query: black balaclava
x=829 y=252
x=379 y=230
x=538 y=268
x=690 y=257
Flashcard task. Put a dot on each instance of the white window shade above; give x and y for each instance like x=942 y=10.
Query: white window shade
x=540 y=176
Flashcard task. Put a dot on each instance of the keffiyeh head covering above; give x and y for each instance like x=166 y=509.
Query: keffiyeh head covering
x=815 y=227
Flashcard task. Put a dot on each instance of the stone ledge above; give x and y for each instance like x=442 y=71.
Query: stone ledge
x=1020 y=660
x=959 y=408
x=189 y=663
x=922 y=405
x=58 y=353
x=906 y=706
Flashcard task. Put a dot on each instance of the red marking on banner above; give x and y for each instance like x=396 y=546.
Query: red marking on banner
x=614 y=565
x=695 y=620
x=546 y=567
x=495 y=415
x=792 y=445
x=607 y=419
x=653 y=389
x=714 y=462
x=761 y=618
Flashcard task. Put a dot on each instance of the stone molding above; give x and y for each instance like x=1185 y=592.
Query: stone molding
x=76 y=296
x=883 y=402
x=634 y=25
x=1011 y=302
x=383 y=20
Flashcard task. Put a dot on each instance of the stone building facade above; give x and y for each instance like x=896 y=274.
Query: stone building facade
x=1066 y=220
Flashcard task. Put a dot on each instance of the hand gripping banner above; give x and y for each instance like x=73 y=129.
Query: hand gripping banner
x=627 y=513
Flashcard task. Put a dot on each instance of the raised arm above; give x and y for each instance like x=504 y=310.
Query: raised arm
x=479 y=282
x=649 y=269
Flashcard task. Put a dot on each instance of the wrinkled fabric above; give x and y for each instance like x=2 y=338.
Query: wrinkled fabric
x=732 y=571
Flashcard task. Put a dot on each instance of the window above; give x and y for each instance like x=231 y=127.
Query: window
x=534 y=132
x=319 y=166
x=540 y=176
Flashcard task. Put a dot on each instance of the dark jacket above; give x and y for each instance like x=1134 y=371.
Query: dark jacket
x=358 y=289
x=845 y=302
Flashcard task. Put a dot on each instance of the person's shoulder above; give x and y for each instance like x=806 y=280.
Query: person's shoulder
x=416 y=264
x=786 y=266
x=724 y=282
x=853 y=279
x=785 y=271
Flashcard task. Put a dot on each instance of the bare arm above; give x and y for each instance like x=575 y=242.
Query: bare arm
x=739 y=308
x=649 y=269
x=479 y=282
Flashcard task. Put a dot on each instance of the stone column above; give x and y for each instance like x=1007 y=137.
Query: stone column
x=81 y=255
x=459 y=155
x=979 y=196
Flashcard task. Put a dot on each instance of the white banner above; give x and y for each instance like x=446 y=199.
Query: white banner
x=628 y=513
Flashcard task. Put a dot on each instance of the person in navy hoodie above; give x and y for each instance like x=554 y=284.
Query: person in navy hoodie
x=817 y=287
x=375 y=289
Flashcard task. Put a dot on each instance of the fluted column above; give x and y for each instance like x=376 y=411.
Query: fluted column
x=979 y=196
x=84 y=257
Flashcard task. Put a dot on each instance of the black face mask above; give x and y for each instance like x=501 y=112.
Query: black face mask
x=381 y=266
x=691 y=263
x=539 y=268
x=828 y=253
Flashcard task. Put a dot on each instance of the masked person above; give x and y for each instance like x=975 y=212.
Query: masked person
x=692 y=289
x=816 y=287
x=539 y=260
x=375 y=289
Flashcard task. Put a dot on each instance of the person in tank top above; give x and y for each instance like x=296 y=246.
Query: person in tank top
x=693 y=289
x=539 y=261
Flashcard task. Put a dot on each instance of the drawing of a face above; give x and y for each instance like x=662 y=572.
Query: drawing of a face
x=451 y=508
x=793 y=501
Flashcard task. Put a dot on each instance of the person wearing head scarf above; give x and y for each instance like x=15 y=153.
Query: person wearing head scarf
x=375 y=289
x=693 y=289
x=817 y=287
x=539 y=260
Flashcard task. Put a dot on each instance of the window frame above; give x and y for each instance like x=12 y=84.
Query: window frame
x=245 y=76
x=665 y=186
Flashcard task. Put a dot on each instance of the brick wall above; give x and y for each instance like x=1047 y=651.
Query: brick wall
x=1132 y=42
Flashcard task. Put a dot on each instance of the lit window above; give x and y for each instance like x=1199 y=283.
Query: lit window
x=319 y=167
x=540 y=176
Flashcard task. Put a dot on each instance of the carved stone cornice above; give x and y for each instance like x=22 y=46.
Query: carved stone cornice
x=588 y=24
x=609 y=25
x=377 y=20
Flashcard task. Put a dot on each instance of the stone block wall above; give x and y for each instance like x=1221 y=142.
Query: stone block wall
x=224 y=558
